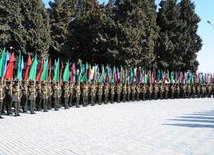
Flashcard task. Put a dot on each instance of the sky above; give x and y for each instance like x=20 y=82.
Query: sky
x=204 y=9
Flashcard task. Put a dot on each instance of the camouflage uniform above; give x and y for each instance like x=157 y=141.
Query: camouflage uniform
x=128 y=92
x=204 y=89
x=161 y=91
x=93 y=93
x=193 y=91
x=66 y=93
x=77 y=94
x=184 y=89
x=50 y=90
x=100 y=93
x=133 y=88
x=85 y=92
x=106 y=93
x=209 y=90
x=56 y=95
x=198 y=91
x=138 y=91
x=177 y=90
x=172 y=91
x=32 y=97
x=124 y=92
x=24 y=99
x=71 y=91
x=44 y=96
x=150 y=91
x=156 y=90
x=39 y=96
x=188 y=90
x=8 y=98
x=166 y=90
x=119 y=89
x=112 y=88
x=2 y=96
x=144 y=91
x=16 y=98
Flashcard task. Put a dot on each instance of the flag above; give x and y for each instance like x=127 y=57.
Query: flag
x=2 y=62
x=33 y=68
x=29 y=62
x=172 y=77
x=49 y=69
x=10 y=68
x=38 y=76
x=20 y=67
x=61 y=70
x=101 y=77
x=73 y=74
x=44 y=76
x=56 y=71
x=66 y=72
x=5 y=62
x=84 y=72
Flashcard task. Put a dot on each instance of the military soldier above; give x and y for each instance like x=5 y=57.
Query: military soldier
x=119 y=90
x=17 y=94
x=150 y=91
x=188 y=90
x=50 y=95
x=66 y=94
x=204 y=90
x=124 y=92
x=133 y=89
x=77 y=94
x=144 y=91
x=93 y=93
x=32 y=96
x=85 y=93
x=39 y=96
x=45 y=96
x=198 y=90
x=106 y=92
x=209 y=90
x=112 y=87
x=156 y=90
x=56 y=95
x=172 y=91
x=2 y=96
x=8 y=97
x=166 y=90
x=161 y=91
x=184 y=90
x=177 y=90
x=138 y=91
x=128 y=91
x=24 y=98
x=71 y=95
x=193 y=90
x=100 y=93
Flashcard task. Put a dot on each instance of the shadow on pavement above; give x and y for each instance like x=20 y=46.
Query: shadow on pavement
x=195 y=120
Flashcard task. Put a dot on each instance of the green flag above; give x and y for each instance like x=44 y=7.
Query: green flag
x=85 y=73
x=66 y=73
x=32 y=74
x=56 y=71
x=44 y=76
x=100 y=80
x=172 y=77
x=2 y=62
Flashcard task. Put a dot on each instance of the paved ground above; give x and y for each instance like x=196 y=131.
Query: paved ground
x=167 y=127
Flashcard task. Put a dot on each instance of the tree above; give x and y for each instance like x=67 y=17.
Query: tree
x=192 y=42
x=61 y=14
x=25 y=26
x=168 y=46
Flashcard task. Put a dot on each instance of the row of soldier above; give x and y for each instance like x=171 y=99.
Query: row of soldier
x=24 y=95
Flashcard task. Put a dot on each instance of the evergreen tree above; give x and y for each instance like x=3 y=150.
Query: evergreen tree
x=168 y=47
x=24 y=26
x=61 y=14
x=191 y=42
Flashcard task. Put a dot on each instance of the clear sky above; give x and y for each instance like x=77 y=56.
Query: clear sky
x=204 y=9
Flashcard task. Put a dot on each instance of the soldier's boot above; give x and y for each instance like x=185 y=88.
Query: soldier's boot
x=150 y=96
x=70 y=101
x=32 y=104
x=39 y=105
x=77 y=102
x=112 y=99
x=84 y=101
x=66 y=103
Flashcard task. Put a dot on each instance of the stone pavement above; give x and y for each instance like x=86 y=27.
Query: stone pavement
x=165 y=127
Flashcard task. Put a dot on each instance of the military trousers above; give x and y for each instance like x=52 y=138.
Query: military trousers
x=8 y=105
x=144 y=96
x=24 y=101
x=32 y=105
x=124 y=97
x=118 y=98
x=70 y=102
x=166 y=95
x=133 y=96
x=45 y=104
x=85 y=101
x=77 y=101
x=106 y=99
x=93 y=100
x=17 y=107
x=99 y=99
x=56 y=102
x=1 y=107
x=38 y=103
x=112 y=98
x=128 y=97
x=66 y=102
x=49 y=102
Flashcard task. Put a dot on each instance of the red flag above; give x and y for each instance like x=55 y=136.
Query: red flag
x=72 y=73
x=181 y=77
x=29 y=62
x=211 y=78
x=40 y=70
x=10 y=67
x=89 y=73
x=153 y=81
x=50 y=69
x=61 y=70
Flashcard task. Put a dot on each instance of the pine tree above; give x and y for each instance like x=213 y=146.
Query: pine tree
x=25 y=26
x=61 y=14
x=168 y=49
x=192 y=42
